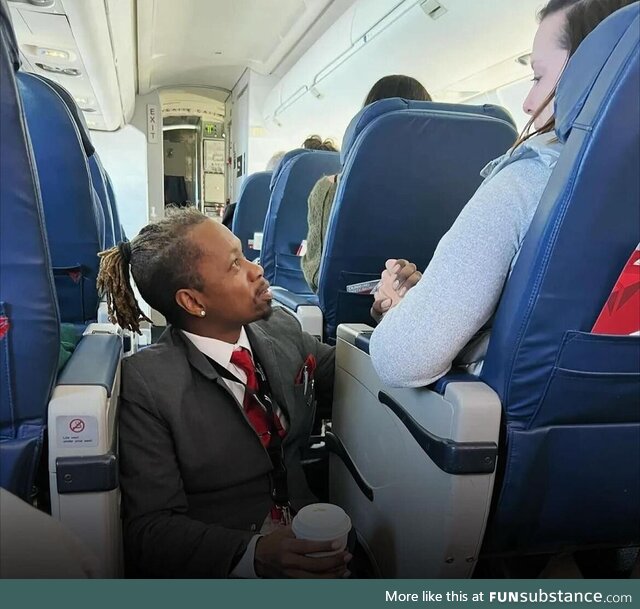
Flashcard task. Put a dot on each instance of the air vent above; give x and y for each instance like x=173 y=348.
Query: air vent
x=433 y=9
x=58 y=69
x=38 y=3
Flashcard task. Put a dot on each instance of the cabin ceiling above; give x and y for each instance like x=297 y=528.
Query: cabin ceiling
x=211 y=42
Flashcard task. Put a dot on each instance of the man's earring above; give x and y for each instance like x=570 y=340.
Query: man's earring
x=202 y=313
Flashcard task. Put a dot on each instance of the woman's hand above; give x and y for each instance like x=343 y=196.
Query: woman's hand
x=396 y=280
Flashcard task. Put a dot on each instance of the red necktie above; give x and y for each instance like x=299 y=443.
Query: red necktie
x=256 y=414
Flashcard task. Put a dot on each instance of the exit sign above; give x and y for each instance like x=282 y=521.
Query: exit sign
x=211 y=129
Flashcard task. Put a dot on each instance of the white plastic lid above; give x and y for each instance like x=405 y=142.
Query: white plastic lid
x=321 y=522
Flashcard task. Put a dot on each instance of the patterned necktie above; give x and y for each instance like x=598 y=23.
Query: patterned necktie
x=256 y=414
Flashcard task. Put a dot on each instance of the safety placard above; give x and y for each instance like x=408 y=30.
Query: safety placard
x=77 y=432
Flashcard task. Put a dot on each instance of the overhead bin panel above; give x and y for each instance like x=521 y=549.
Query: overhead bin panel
x=72 y=44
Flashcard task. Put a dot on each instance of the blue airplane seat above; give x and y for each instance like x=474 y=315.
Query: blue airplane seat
x=251 y=211
x=409 y=168
x=117 y=224
x=291 y=154
x=29 y=323
x=105 y=213
x=73 y=214
x=286 y=222
x=100 y=186
x=570 y=398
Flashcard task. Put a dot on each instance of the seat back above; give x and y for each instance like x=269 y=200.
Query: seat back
x=100 y=186
x=118 y=230
x=286 y=222
x=409 y=168
x=251 y=211
x=105 y=212
x=74 y=217
x=284 y=161
x=570 y=397
x=29 y=324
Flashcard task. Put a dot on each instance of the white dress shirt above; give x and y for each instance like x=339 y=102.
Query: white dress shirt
x=220 y=352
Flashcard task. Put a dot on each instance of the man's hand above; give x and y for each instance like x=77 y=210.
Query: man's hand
x=280 y=554
x=397 y=279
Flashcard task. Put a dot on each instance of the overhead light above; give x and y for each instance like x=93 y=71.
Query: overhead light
x=53 y=54
x=87 y=109
x=42 y=3
x=217 y=52
x=58 y=69
x=180 y=127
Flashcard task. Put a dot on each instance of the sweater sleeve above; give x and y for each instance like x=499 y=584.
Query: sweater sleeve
x=416 y=342
x=320 y=202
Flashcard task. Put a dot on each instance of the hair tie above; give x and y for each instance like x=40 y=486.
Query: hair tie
x=125 y=250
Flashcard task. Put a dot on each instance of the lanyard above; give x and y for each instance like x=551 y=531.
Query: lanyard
x=278 y=475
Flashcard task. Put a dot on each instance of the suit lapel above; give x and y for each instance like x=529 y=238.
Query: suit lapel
x=199 y=361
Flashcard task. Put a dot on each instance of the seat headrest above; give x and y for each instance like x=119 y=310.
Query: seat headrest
x=369 y=113
x=76 y=113
x=283 y=161
x=6 y=26
x=588 y=61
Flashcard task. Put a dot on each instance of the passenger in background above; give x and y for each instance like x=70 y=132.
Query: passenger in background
x=230 y=209
x=208 y=413
x=229 y=212
x=447 y=315
x=315 y=142
x=272 y=163
x=321 y=197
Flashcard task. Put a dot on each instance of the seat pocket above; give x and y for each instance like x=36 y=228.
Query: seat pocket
x=289 y=273
x=596 y=379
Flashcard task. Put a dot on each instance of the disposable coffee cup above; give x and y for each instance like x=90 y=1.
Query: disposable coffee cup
x=322 y=522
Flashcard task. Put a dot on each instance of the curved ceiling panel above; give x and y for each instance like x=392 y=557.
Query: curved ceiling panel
x=212 y=42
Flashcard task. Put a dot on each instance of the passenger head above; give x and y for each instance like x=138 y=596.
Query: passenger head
x=315 y=142
x=191 y=269
x=272 y=163
x=564 y=24
x=397 y=85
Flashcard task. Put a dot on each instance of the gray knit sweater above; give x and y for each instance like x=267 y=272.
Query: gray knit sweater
x=320 y=203
x=417 y=341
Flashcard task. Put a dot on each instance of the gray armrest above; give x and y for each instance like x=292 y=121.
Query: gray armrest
x=94 y=362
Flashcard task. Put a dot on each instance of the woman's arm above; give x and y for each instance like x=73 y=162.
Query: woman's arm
x=416 y=341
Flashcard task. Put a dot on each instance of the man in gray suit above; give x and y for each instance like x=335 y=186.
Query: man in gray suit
x=209 y=413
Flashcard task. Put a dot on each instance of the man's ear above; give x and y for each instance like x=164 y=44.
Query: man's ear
x=190 y=301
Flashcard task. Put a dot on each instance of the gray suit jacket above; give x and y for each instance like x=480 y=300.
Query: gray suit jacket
x=194 y=475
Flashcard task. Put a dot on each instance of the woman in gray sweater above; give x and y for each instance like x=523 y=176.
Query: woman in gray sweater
x=447 y=314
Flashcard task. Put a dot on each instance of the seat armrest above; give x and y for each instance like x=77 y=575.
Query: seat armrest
x=453 y=376
x=304 y=307
x=83 y=461
x=428 y=459
x=293 y=301
x=94 y=362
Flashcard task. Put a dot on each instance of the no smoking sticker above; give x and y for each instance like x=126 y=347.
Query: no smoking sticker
x=77 y=432
x=77 y=426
